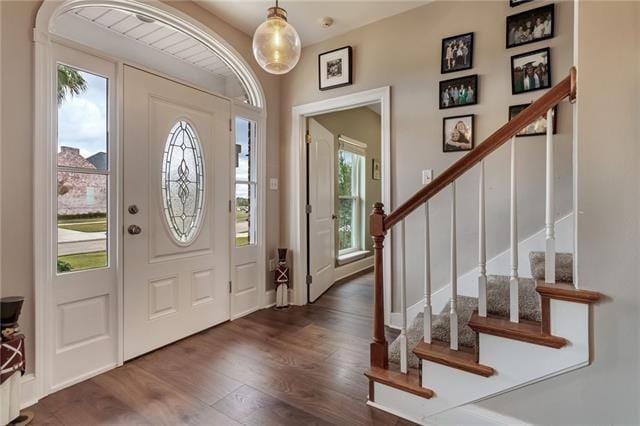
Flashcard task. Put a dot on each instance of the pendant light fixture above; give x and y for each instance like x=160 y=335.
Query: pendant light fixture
x=276 y=44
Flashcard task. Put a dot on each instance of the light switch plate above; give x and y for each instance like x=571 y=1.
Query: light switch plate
x=272 y=264
x=427 y=176
x=273 y=184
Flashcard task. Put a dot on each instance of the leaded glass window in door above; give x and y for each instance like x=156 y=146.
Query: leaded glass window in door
x=183 y=182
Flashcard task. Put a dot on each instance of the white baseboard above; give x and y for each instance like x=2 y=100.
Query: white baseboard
x=352 y=268
x=498 y=265
x=29 y=394
x=270 y=299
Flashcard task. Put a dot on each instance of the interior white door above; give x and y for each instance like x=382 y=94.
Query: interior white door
x=176 y=192
x=321 y=198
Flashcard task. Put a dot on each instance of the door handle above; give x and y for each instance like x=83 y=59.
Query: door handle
x=134 y=229
x=334 y=217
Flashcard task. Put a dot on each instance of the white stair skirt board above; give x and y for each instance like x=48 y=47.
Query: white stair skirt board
x=517 y=364
x=498 y=265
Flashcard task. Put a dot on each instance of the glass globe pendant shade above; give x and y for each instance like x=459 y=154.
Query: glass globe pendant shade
x=276 y=44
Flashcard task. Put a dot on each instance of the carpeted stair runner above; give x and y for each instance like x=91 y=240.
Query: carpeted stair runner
x=564 y=266
x=497 y=304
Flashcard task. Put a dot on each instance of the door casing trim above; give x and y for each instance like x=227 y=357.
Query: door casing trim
x=297 y=226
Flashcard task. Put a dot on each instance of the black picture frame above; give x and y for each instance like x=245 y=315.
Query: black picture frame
x=545 y=79
x=514 y=21
x=516 y=109
x=346 y=58
x=473 y=79
x=447 y=147
x=514 y=3
x=468 y=38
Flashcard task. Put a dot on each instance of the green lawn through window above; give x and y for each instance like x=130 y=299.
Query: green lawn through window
x=82 y=261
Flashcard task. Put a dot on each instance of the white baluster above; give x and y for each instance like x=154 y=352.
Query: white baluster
x=453 y=314
x=513 y=281
x=575 y=154
x=427 y=277
x=550 y=209
x=404 y=352
x=482 y=249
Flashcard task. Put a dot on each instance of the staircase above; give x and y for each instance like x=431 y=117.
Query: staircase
x=516 y=332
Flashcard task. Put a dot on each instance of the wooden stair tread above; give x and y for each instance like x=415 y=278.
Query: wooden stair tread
x=526 y=331
x=462 y=359
x=567 y=292
x=406 y=382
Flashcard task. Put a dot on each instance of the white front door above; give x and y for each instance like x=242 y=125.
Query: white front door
x=176 y=192
x=321 y=219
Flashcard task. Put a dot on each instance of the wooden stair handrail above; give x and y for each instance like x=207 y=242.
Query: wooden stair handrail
x=380 y=223
x=566 y=88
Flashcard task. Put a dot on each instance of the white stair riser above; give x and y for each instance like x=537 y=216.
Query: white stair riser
x=516 y=364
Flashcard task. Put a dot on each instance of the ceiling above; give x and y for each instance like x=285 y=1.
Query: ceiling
x=305 y=15
x=161 y=37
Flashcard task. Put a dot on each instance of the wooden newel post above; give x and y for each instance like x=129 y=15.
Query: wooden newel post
x=379 y=352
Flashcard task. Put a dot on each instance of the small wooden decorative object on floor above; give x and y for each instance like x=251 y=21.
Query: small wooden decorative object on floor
x=282 y=280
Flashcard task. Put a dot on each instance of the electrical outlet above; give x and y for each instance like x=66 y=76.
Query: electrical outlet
x=427 y=176
x=273 y=184
x=272 y=264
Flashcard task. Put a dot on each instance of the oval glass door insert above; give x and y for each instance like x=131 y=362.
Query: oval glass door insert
x=183 y=183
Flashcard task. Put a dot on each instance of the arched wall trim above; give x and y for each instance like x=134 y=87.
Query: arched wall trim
x=166 y=14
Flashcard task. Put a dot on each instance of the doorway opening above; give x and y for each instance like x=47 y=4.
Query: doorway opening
x=344 y=180
x=298 y=229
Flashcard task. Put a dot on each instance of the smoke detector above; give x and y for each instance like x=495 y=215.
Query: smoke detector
x=326 y=22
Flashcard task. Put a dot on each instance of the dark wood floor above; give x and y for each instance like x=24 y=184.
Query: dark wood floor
x=302 y=366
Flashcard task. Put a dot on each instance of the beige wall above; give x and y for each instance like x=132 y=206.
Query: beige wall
x=16 y=159
x=361 y=124
x=16 y=155
x=608 y=106
x=403 y=51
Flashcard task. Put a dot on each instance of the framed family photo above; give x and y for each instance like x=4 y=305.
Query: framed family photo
x=457 y=92
x=538 y=127
x=376 y=171
x=457 y=133
x=335 y=68
x=530 y=26
x=531 y=71
x=456 y=53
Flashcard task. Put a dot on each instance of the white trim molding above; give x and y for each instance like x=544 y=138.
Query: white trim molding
x=297 y=225
x=37 y=386
x=170 y=16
